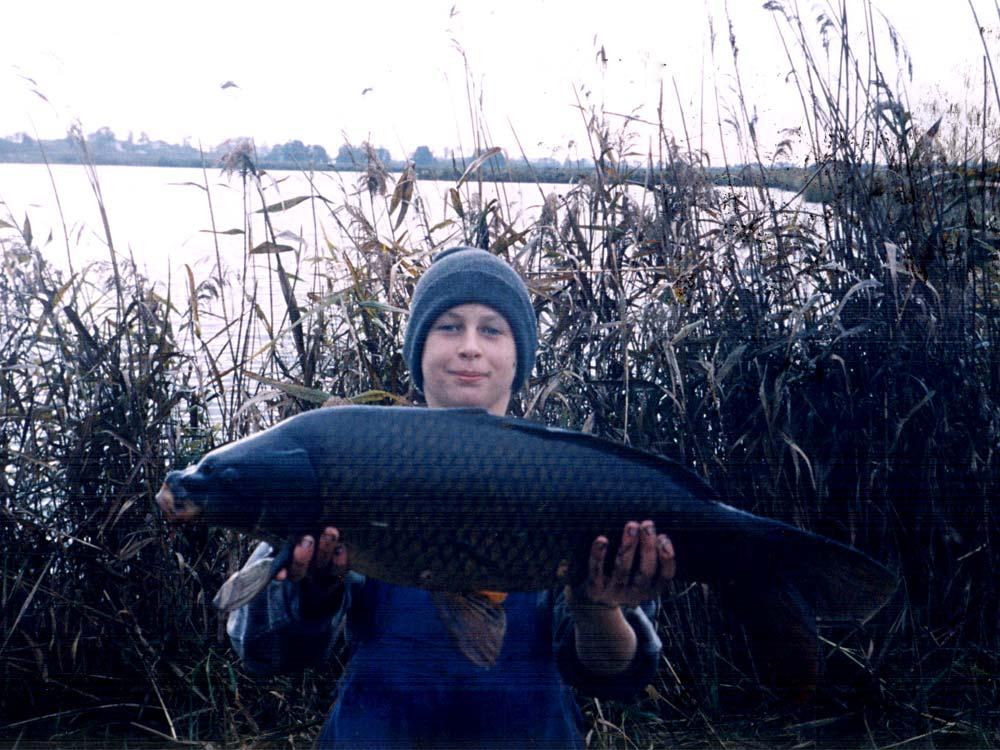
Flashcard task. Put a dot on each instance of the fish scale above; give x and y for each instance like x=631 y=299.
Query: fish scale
x=497 y=473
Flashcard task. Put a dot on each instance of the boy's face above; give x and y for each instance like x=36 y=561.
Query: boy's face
x=469 y=359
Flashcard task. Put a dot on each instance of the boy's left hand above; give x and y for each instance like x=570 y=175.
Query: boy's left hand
x=656 y=565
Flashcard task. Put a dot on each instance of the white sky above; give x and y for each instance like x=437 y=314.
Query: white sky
x=301 y=67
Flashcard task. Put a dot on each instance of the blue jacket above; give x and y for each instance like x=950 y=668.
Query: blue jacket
x=407 y=685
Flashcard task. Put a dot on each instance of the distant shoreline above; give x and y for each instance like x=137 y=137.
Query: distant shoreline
x=783 y=178
x=508 y=173
x=102 y=148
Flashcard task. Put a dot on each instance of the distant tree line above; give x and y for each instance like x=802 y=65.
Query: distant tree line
x=103 y=147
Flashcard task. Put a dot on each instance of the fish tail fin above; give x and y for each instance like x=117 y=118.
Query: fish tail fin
x=806 y=577
x=780 y=628
x=845 y=584
x=476 y=621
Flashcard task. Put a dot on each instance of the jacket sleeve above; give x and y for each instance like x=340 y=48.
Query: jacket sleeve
x=272 y=636
x=624 y=686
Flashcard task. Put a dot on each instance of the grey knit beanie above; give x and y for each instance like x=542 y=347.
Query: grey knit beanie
x=463 y=275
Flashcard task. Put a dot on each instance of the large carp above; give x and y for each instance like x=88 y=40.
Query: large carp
x=458 y=501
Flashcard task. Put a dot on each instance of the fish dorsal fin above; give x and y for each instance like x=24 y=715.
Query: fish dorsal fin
x=469 y=411
x=678 y=473
x=476 y=621
x=247 y=582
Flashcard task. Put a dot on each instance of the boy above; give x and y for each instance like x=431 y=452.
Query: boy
x=470 y=342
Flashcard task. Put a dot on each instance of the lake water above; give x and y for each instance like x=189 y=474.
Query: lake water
x=163 y=217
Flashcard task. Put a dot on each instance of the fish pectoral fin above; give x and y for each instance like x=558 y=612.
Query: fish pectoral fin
x=476 y=621
x=243 y=585
x=250 y=580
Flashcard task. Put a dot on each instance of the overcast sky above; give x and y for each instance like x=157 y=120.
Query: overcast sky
x=393 y=72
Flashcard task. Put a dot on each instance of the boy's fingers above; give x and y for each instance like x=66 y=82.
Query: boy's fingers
x=626 y=555
x=598 y=553
x=302 y=555
x=325 y=549
x=648 y=559
x=666 y=556
x=340 y=561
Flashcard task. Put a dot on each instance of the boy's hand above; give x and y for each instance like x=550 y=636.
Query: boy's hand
x=327 y=560
x=320 y=569
x=656 y=565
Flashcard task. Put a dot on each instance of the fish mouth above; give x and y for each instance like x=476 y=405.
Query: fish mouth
x=175 y=511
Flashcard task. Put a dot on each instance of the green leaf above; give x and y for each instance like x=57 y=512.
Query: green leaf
x=456 y=202
x=483 y=158
x=376 y=395
x=376 y=305
x=193 y=292
x=228 y=231
x=191 y=184
x=284 y=205
x=442 y=225
x=270 y=248
x=334 y=298
x=313 y=395
x=403 y=194
x=54 y=304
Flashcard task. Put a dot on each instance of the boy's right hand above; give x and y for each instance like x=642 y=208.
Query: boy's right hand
x=319 y=569
x=326 y=562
